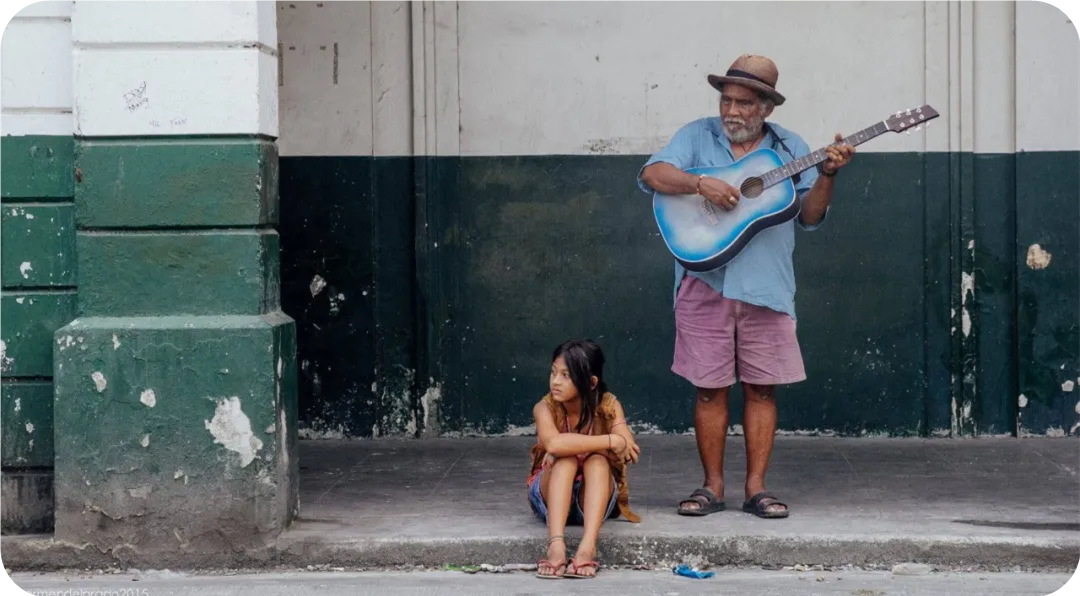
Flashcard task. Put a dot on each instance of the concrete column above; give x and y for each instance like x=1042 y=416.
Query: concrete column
x=176 y=385
x=38 y=259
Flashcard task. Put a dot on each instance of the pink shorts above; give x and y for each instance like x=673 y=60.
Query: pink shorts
x=715 y=337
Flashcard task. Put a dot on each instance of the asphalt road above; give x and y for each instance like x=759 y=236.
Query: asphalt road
x=610 y=582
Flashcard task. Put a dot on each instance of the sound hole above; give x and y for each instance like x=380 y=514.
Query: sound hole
x=752 y=188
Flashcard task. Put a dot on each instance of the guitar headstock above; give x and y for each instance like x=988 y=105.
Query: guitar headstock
x=912 y=119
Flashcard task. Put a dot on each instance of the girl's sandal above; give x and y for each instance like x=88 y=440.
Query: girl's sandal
x=573 y=572
x=557 y=567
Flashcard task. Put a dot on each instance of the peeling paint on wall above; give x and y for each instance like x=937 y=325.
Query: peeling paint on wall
x=1037 y=258
x=231 y=428
x=5 y=362
x=148 y=398
x=65 y=342
x=99 y=381
x=324 y=434
x=954 y=418
x=317 y=285
x=429 y=405
x=967 y=285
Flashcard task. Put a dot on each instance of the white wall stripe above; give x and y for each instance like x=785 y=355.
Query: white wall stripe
x=36 y=95
x=1047 y=79
x=175 y=68
x=113 y=22
x=51 y=9
x=994 y=76
x=588 y=78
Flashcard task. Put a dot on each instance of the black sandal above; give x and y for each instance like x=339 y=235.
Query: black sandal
x=707 y=503
x=760 y=503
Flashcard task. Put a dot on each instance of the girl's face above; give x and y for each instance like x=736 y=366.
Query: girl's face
x=562 y=388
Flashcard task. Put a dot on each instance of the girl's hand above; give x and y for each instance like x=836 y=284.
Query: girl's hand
x=625 y=450
x=549 y=460
x=634 y=451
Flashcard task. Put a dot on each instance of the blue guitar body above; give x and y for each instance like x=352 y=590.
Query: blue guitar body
x=702 y=236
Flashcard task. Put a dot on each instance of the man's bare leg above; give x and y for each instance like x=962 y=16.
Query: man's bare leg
x=759 y=425
x=710 y=427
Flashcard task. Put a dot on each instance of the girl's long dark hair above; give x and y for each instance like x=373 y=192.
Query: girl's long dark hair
x=584 y=359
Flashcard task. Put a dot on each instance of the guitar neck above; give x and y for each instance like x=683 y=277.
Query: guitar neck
x=812 y=159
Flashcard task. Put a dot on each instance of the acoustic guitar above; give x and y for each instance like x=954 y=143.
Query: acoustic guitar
x=703 y=237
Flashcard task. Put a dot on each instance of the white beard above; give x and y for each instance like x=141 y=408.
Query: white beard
x=744 y=131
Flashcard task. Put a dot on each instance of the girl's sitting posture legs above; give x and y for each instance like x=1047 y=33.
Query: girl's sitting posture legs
x=556 y=486
x=595 y=496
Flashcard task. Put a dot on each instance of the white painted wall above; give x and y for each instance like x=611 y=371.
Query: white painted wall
x=35 y=61
x=1047 y=78
x=336 y=64
x=182 y=68
x=521 y=78
x=527 y=78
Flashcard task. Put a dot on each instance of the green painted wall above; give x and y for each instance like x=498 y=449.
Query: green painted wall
x=180 y=356
x=1048 y=301
x=347 y=266
x=475 y=268
x=38 y=273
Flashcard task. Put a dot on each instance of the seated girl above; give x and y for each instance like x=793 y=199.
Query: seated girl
x=579 y=462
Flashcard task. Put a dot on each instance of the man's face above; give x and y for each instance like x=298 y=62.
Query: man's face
x=742 y=112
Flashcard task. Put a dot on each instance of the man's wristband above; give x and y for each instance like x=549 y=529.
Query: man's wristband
x=697 y=187
x=821 y=170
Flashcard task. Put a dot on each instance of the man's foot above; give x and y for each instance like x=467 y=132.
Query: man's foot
x=583 y=565
x=554 y=565
x=765 y=504
x=702 y=501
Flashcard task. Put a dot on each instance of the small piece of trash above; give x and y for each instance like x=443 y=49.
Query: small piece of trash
x=911 y=569
x=686 y=571
x=801 y=568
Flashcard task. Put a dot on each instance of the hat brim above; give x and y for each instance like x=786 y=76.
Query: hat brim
x=718 y=83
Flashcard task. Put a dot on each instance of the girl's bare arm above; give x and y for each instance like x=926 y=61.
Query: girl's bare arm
x=566 y=444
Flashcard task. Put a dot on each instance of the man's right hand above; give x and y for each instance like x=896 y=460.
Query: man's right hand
x=719 y=193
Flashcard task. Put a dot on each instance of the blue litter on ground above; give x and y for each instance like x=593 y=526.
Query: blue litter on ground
x=686 y=571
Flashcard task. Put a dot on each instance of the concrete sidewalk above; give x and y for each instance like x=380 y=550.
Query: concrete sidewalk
x=982 y=503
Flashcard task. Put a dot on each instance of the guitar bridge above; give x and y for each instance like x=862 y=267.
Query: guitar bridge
x=709 y=211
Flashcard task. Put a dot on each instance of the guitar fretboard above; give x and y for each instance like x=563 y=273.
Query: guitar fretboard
x=812 y=159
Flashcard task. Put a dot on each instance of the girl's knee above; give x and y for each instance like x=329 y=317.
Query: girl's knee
x=565 y=462
x=598 y=462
